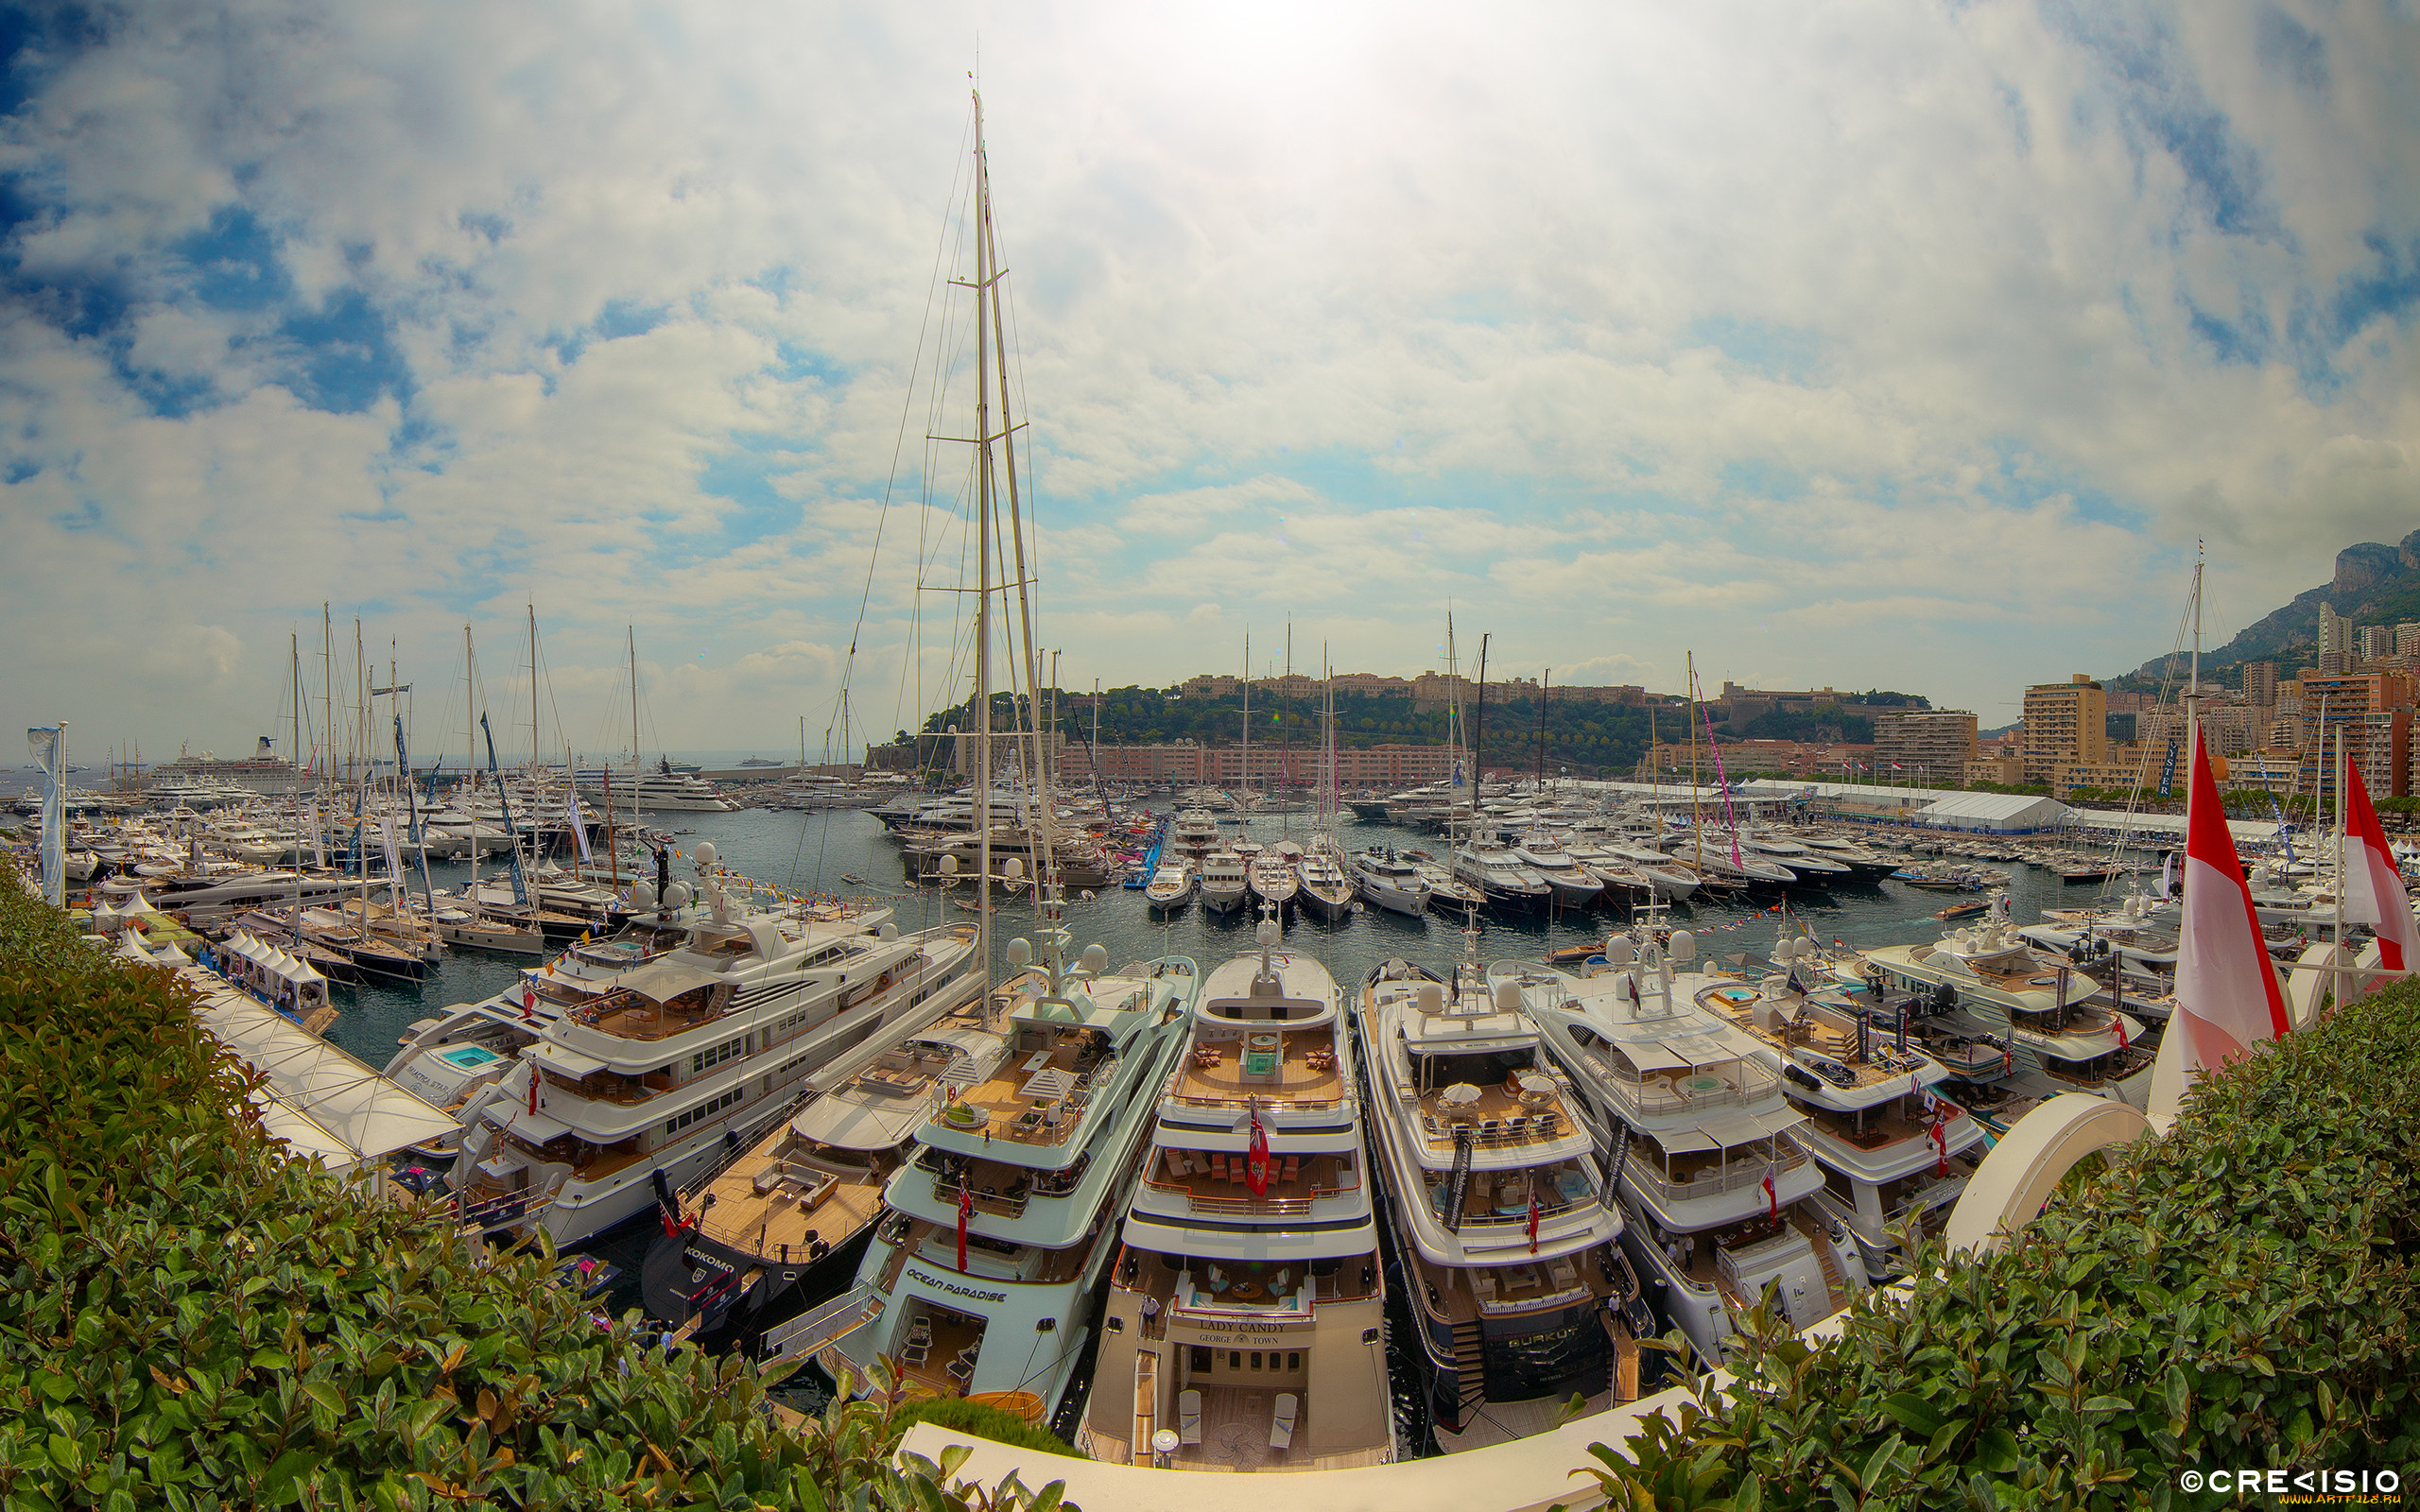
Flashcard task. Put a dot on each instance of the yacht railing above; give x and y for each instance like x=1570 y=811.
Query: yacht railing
x=1247 y=1206
x=827 y=1325
x=1747 y=1172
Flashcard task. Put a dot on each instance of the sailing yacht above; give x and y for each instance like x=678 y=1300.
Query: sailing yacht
x=1715 y=1186
x=1501 y=1213
x=1247 y=1310
x=1325 y=890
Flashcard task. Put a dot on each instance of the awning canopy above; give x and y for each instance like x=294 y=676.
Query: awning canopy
x=567 y=1063
x=662 y=981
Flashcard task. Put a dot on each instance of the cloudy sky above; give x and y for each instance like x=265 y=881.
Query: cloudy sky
x=1899 y=344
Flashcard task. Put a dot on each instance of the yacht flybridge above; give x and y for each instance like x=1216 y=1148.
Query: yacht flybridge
x=1247 y=1310
x=1701 y=1139
x=1501 y=1214
x=644 y=1082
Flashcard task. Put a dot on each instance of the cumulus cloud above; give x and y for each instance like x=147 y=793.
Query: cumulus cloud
x=1872 y=343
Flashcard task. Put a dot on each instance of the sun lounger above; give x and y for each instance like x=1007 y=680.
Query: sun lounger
x=1188 y=1417
x=1281 y=1432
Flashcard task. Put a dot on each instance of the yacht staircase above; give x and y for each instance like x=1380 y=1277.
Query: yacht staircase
x=1458 y=1186
x=1470 y=1367
x=1836 y=1286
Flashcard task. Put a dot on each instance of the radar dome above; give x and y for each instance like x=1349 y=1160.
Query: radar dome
x=1020 y=951
x=706 y=853
x=1683 y=947
x=1094 y=961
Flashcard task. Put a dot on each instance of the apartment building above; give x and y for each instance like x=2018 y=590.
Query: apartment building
x=1937 y=741
x=2065 y=723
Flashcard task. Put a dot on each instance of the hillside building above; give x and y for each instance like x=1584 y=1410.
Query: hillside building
x=2065 y=723
x=1935 y=744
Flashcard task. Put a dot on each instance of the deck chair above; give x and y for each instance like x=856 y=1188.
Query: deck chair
x=1489 y=1128
x=1483 y=1284
x=1281 y=1430
x=1176 y=1163
x=1218 y=1166
x=1294 y=1168
x=1188 y=1417
x=1517 y=1127
x=914 y=1353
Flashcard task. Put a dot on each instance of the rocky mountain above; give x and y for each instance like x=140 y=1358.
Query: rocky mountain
x=2374 y=583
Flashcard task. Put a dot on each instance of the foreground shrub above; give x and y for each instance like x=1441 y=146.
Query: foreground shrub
x=2238 y=1295
x=982 y=1420
x=189 y=1318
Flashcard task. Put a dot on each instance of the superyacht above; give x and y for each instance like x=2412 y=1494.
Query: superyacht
x=1892 y=1150
x=1500 y=1210
x=674 y=1056
x=978 y=1278
x=1224 y=882
x=1714 y=1185
x=1246 y=1315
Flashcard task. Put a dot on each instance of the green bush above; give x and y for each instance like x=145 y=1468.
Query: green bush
x=983 y=1422
x=190 y=1318
x=2241 y=1294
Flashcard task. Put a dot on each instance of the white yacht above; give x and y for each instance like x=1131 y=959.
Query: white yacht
x=646 y=1081
x=1501 y=1216
x=978 y=1278
x=1988 y=981
x=1194 y=833
x=784 y=1226
x=1389 y=881
x=1224 y=882
x=1572 y=884
x=659 y=789
x=1272 y=875
x=1246 y=1311
x=1172 y=886
x=1324 y=888
x=1700 y=1136
x=1502 y=877
x=1892 y=1147
x=1672 y=881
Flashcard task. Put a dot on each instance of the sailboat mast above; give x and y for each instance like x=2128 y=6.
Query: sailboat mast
x=1247 y=756
x=982 y=558
x=1478 y=741
x=1696 y=812
x=470 y=759
x=1544 y=679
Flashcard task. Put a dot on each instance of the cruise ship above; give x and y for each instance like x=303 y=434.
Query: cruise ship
x=653 y=1075
x=979 y=1277
x=1891 y=1148
x=1246 y=1315
x=747 y=1246
x=1500 y=1213
x=1713 y=1183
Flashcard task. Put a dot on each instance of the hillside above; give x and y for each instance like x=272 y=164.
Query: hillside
x=2374 y=583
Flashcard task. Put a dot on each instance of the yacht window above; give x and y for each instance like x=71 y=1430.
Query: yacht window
x=705 y=1111
x=1202 y=1359
x=1256 y=1359
x=716 y=1056
x=1293 y=1359
x=1235 y=1359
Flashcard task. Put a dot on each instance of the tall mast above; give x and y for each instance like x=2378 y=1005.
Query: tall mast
x=1697 y=813
x=1543 y=680
x=534 y=747
x=632 y=632
x=1478 y=741
x=327 y=693
x=470 y=759
x=294 y=655
x=1247 y=758
x=982 y=555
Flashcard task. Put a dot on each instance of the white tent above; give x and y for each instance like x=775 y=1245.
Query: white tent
x=327 y=1105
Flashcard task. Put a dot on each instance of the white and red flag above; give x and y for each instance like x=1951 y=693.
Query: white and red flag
x=2227 y=998
x=1256 y=1158
x=2373 y=883
x=1772 y=1193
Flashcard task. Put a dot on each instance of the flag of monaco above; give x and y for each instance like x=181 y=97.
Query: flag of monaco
x=2226 y=991
x=2373 y=883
